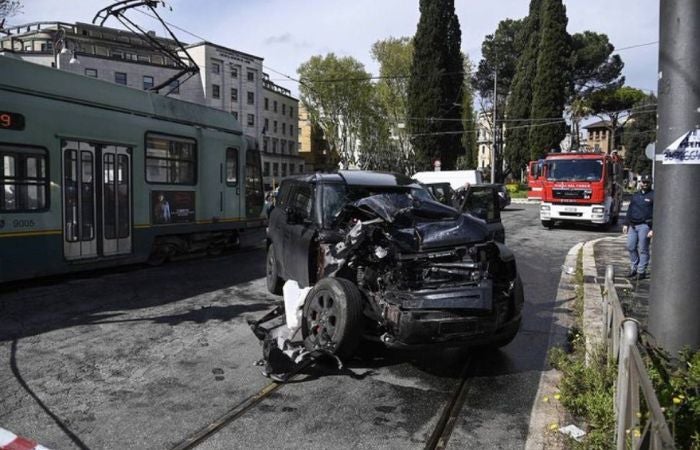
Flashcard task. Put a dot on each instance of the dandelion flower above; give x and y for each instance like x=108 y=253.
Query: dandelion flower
x=557 y=396
x=553 y=426
x=677 y=401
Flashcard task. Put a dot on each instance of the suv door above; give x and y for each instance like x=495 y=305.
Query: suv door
x=298 y=233
x=276 y=224
x=482 y=201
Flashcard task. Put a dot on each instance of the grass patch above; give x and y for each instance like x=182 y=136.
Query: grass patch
x=587 y=384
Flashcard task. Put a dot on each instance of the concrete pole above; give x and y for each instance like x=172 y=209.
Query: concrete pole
x=674 y=308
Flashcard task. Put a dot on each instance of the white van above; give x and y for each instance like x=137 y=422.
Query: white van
x=456 y=178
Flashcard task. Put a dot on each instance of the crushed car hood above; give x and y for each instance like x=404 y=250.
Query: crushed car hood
x=420 y=225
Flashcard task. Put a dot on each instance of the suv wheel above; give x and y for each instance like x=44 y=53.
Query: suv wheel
x=274 y=282
x=333 y=316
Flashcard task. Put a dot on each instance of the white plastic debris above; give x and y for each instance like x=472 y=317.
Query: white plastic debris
x=380 y=252
x=573 y=431
x=294 y=298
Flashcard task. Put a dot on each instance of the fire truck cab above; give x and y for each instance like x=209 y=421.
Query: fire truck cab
x=581 y=187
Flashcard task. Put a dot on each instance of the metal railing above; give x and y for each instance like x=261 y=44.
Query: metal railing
x=621 y=338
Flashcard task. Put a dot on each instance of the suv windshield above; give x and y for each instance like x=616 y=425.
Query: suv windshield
x=575 y=170
x=335 y=196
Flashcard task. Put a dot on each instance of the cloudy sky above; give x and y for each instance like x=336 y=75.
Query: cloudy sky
x=286 y=33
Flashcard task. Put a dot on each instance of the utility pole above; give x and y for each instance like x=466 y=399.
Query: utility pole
x=675 y=286
x=493 y=128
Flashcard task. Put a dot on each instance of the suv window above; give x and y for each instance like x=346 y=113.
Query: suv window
x=283 y=194
x=301 y=200
x=483 y=203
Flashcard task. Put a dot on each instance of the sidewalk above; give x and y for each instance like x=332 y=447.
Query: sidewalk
x=633 y=293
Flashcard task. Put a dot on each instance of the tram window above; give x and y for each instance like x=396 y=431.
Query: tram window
x=23 y=180
x=231 y=166
x=171 y=160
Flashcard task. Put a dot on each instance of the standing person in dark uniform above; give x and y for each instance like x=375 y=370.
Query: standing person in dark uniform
x=638 y=223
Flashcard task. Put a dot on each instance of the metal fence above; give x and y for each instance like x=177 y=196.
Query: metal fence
x=622 y=334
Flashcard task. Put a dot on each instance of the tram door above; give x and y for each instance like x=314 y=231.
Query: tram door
x=96 y=200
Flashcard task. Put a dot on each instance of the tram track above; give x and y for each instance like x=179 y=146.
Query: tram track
x=437 y=440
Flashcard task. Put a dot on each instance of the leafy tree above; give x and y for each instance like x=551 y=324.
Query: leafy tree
x=9 y=8
x=336 y=91
x=435 y=86
x=549 y=93
x=614 y=106
x=470 y=158
x=500 y=52
x=377 y=151
x=640 y=130
x=395 y=57
x=519 y=106
x=593 y=67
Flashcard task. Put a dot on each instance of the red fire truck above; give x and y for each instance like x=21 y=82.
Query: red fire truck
x=534 y=180
x=581 y=187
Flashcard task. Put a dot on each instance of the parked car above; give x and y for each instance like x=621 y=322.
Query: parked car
x=503 y=196
x=389 y=263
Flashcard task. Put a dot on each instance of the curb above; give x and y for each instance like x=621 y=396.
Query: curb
x=546 y=413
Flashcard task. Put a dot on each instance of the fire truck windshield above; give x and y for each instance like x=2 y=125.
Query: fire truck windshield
x=574 y=170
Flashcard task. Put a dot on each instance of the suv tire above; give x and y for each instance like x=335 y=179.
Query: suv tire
x=274 y=282
x=333 y=314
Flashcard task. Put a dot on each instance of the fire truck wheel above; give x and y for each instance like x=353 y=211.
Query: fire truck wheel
x=549 y=224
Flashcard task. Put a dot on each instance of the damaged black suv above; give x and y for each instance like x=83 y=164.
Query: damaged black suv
x=388 y=262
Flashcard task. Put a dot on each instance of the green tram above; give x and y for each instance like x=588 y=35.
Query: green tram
x=95 y=174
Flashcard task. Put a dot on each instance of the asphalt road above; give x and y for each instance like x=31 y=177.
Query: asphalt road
x=143 y=357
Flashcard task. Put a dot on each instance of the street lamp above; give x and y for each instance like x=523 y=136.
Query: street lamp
x=60 y=47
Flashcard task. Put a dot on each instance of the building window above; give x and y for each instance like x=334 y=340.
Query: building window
x=301 y=168
x=274 y=106
x=47 y=46
x=291 y=147
x=215 y=67
x=24 y=184
x=170 y=159
x=117 y=54
x=251 y=120
x=267 y=124
x=251 y=98
x=234 y=94
x=91 y=73
x=234 y=72
x=284 y=169
x=131 y=56
x=284 y=108
x=283 y=147
x=275 y=169
x=251 y=75
x=291 y=169
x=267 y=104
x=274 y=146
x=232 y=166
x=120 y=78
x=234 y=114
x=215 y=91
x=175 y=87
x=266 y=169
x=274 y=126
x=265 y=145
x=291 y=112
x=147 y=82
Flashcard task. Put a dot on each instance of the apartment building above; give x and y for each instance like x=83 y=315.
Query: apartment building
x=228 y=79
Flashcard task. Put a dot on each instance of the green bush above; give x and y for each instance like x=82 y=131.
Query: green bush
x=513 y=187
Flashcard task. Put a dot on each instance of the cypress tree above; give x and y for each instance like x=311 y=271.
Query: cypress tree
x=434 y=89
x=551 y=80
x=518 y=108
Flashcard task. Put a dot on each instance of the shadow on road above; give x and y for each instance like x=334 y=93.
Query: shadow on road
x=106 y=295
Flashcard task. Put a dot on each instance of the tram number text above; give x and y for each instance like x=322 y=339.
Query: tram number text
x=23 y=223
